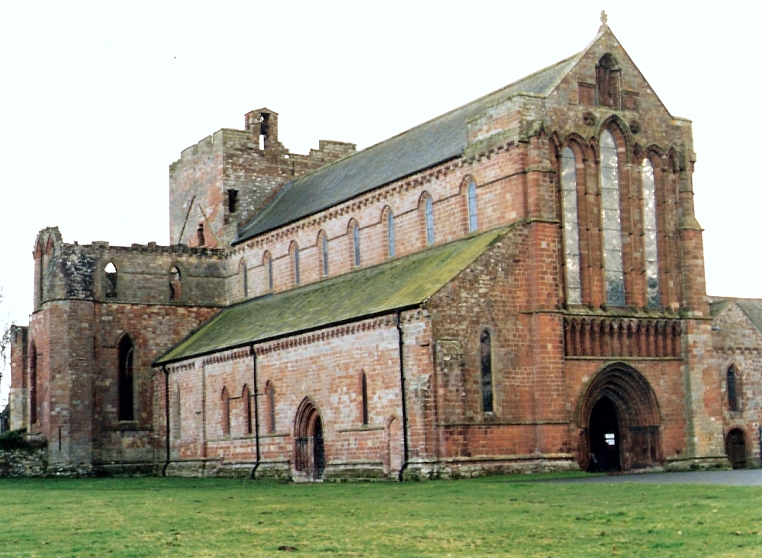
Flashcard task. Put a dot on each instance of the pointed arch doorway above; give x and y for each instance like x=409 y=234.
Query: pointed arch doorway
x=620 y=422
x=309 y=448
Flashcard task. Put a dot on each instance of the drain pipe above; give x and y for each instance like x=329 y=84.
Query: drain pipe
x=405 y=443
x=166 y=418
x=256 y=410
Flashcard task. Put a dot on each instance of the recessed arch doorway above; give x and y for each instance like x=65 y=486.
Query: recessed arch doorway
x=309 y=448
x=735 y=446
x=620 y=422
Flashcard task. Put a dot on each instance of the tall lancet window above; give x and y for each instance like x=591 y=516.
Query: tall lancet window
x=612 y=227
x=473 y=221
x=571 y=225
x=429 y=210
x=390 y=233
x=649 y=234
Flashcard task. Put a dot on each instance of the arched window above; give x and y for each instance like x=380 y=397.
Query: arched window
x=110 y=271
x=225 y=408
x=244 y=274
x=485 y=345
x=364 y=398
x=126 y=379
x=175 y=284
x=267 y=261
x=33 y=385
x=571 y=225
x=473 y=223
x=428 y=209
x=246 y=396
x=392 y=251
x=732 y=389
x=270 y=395
x=324 y=251
x=612 y=228
x=649 y=234
x=354 y=229
x=295 y=258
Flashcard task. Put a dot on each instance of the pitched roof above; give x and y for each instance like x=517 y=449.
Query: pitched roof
x=424 y=146
x=752 y=307
x=399 y=283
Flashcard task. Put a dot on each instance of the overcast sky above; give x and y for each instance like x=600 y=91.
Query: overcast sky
x=98 y=98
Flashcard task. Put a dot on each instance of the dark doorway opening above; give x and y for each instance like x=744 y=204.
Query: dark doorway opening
x=604 y=437
x=736 y=448
x=318 y=450
x=620 y=422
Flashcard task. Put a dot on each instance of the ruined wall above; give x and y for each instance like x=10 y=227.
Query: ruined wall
x=738 y=343
x=219 y=183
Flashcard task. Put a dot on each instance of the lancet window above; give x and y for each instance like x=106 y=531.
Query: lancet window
x=324 y=252
x=428 y=206
x=485 y=345
x=571 y=225
x=649 y=234
x=732 y=389
x=611 y=218
x=126 y=379
x=390 y=233
x=473 y=222
x=355 y=230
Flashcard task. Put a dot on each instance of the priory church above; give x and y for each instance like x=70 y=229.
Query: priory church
x=515 y=285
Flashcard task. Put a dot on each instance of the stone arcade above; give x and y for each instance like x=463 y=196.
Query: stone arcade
x=517 y=284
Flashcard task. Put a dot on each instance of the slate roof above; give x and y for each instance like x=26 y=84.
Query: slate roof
x=752 y=307
x=424 y=146
x=399 y=283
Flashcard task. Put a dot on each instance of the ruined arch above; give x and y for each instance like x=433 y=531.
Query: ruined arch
x=309 y=450
x=110 y=279
x=619 y=401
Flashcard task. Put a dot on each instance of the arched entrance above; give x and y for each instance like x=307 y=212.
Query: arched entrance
x=620 y=422
x=309 y=450
x=735 y=446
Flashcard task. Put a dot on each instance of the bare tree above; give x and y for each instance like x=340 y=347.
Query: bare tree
x=5 y=339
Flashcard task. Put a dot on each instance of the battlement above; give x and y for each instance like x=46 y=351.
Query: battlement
x=141 y=273
x=221 y=182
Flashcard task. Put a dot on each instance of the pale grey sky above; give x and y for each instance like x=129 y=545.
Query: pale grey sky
x=98 y=98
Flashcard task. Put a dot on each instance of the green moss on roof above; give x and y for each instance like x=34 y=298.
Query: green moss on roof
x=396 y=284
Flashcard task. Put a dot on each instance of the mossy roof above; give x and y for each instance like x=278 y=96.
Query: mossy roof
x=399 y=283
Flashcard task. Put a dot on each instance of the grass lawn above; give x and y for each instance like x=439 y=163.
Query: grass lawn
x=493 y=516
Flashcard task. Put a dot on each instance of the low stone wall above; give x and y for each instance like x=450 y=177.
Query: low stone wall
x=23 y=462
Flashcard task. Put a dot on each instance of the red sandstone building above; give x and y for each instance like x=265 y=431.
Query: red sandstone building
x=517 y=284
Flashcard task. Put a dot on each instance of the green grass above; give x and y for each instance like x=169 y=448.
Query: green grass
x=493 y=516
